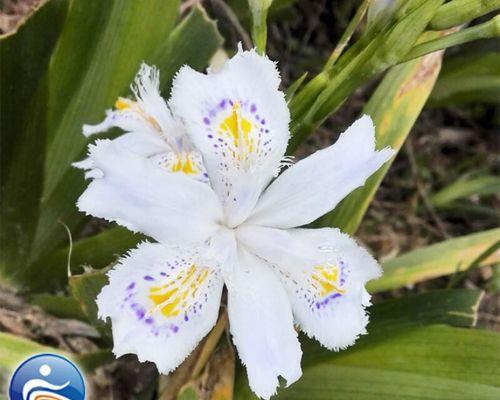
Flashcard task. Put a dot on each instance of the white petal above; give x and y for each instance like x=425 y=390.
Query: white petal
x=162 y=301
x=143 y=144
x=133 y=192
x=127 y=120
x=238 y=119
x=261 y=324
x=149 y=113
x=315 y=185
x=324 y=272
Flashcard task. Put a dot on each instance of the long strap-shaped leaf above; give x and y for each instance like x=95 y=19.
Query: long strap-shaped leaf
x=98 y=52
x=405 y=355
x=204 y=38
x=24 y=56
x=394 y=107
x=440 y=259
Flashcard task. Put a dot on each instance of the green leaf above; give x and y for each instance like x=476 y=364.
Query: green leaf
x=456 y=307
x=59 y=306
x=193 y=41
x=14 y=349
x=373 y=53
x=432 y=351
x=25 y=57
x=462 y=188
x=394 y=108
x=486 y=30
x=363 y=383
x=468 y=78
x=112 y=38
x=456 y=278
x=292 y=89
x=436 y=260
x=99 y=51
x=97 y=251
x=85 y=289
x=407 y=355
x=458 y=12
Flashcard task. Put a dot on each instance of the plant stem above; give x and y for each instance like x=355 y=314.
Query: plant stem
x=259 y=31
x=487 y=30
x=458 y=12
x=346 y=36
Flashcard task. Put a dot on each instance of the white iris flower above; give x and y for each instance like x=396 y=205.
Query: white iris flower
x=195 y=176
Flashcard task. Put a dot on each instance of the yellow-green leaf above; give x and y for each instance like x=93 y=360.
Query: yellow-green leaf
x=436 y=260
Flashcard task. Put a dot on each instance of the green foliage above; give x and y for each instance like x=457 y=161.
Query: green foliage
x=410 y=351
x=468 y=78
x=59 y=306
x=458 y=12
x=376 y=50
x=462 y=188
x=96 y=251
x=259 y=9
x=487 y=30
x=85 y=289
x=95 y=49
x=394 y=108
x=24 y=92
x=69 y=62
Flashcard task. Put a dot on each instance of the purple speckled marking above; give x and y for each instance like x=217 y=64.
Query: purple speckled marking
x=186 y=318
x=148 y=278
x=131 y=286
x=263 y=121
x=253 y=108
x=163 y=273
x=174 y=328
x=210 y=136
x=222 y=104
x=140 y=313
x=206 y=121
x=149 y=320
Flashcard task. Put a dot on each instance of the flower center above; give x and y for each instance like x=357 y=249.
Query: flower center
x=328 y=280
x=237 y=128
x=179 y=293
